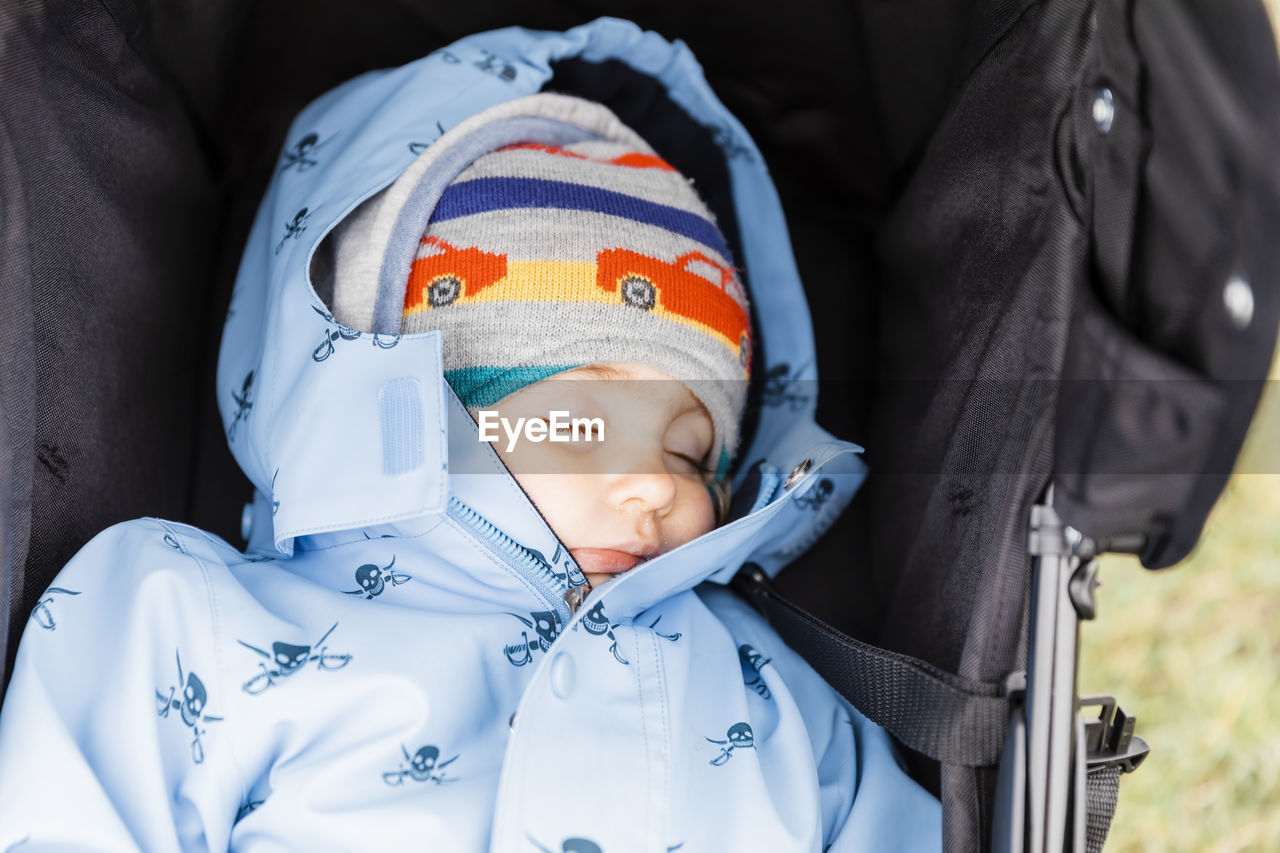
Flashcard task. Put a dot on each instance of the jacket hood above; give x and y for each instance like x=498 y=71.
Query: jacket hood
x=350 y=433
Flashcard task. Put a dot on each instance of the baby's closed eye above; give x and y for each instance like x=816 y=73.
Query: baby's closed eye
x=698 y=465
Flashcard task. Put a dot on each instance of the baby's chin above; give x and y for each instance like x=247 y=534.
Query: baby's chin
x=599 y=580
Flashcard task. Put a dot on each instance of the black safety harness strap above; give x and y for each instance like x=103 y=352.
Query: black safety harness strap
x=1103 y=788
x=950 y=719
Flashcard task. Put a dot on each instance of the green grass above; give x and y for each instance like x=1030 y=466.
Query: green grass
x=1194 y=652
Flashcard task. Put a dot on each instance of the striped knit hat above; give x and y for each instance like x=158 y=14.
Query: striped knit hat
x=556 y=238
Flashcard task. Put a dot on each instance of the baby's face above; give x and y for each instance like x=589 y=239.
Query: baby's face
x=640 y=491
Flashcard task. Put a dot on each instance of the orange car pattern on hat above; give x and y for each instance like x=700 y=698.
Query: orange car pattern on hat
x=451 y=274
x=646 y=283
x=676 y=290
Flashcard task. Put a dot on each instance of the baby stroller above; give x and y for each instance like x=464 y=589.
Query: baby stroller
x=1035 y=236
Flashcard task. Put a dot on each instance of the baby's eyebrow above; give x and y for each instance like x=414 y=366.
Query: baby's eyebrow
x=599 y=371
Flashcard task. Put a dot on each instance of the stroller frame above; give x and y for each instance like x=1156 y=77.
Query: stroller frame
x=1042 y=798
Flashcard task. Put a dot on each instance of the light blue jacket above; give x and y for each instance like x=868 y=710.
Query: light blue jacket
x=392 y=664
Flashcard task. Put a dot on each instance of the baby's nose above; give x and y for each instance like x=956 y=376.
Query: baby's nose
x=644 y=489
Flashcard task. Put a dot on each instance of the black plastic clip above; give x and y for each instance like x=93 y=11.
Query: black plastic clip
x=1014 y=686
x=1109 y=739
x=753 y=584
x=1082 y=587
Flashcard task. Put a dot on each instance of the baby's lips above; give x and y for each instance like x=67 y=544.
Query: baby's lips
x=604 y=560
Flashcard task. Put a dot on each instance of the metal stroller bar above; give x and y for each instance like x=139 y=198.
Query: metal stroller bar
x=1051 y=681
x=1051 y=754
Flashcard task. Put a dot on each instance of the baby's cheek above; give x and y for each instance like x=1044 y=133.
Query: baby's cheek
x=694 y=513
x=558 y=498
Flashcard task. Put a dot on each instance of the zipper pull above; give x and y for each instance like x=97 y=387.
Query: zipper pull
x=574 y=596
x=575 y=581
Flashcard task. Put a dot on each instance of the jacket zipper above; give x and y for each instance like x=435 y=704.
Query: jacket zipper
x=562 y=597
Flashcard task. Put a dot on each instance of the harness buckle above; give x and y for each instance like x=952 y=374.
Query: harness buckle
x=1109 y=739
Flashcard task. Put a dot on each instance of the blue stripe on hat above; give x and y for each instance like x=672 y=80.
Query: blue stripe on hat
x=482 y=195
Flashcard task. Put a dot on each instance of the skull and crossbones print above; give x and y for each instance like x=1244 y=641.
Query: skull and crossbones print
x=778 y=382
x=41 y=613
x=497 y=66
x=293 y=230
x=244 y=402
x=753 y=661
x=596 y=623
x=189 y=697
x=300 y=156
x=339 y=332
x=817 y=496
x=423 y=766
x=739 y=736
x=569 y=845
x=571 y=576
x=417 y=147
x=287 y=659
x=545 y=625
x=373 y=580
x=582 y=845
